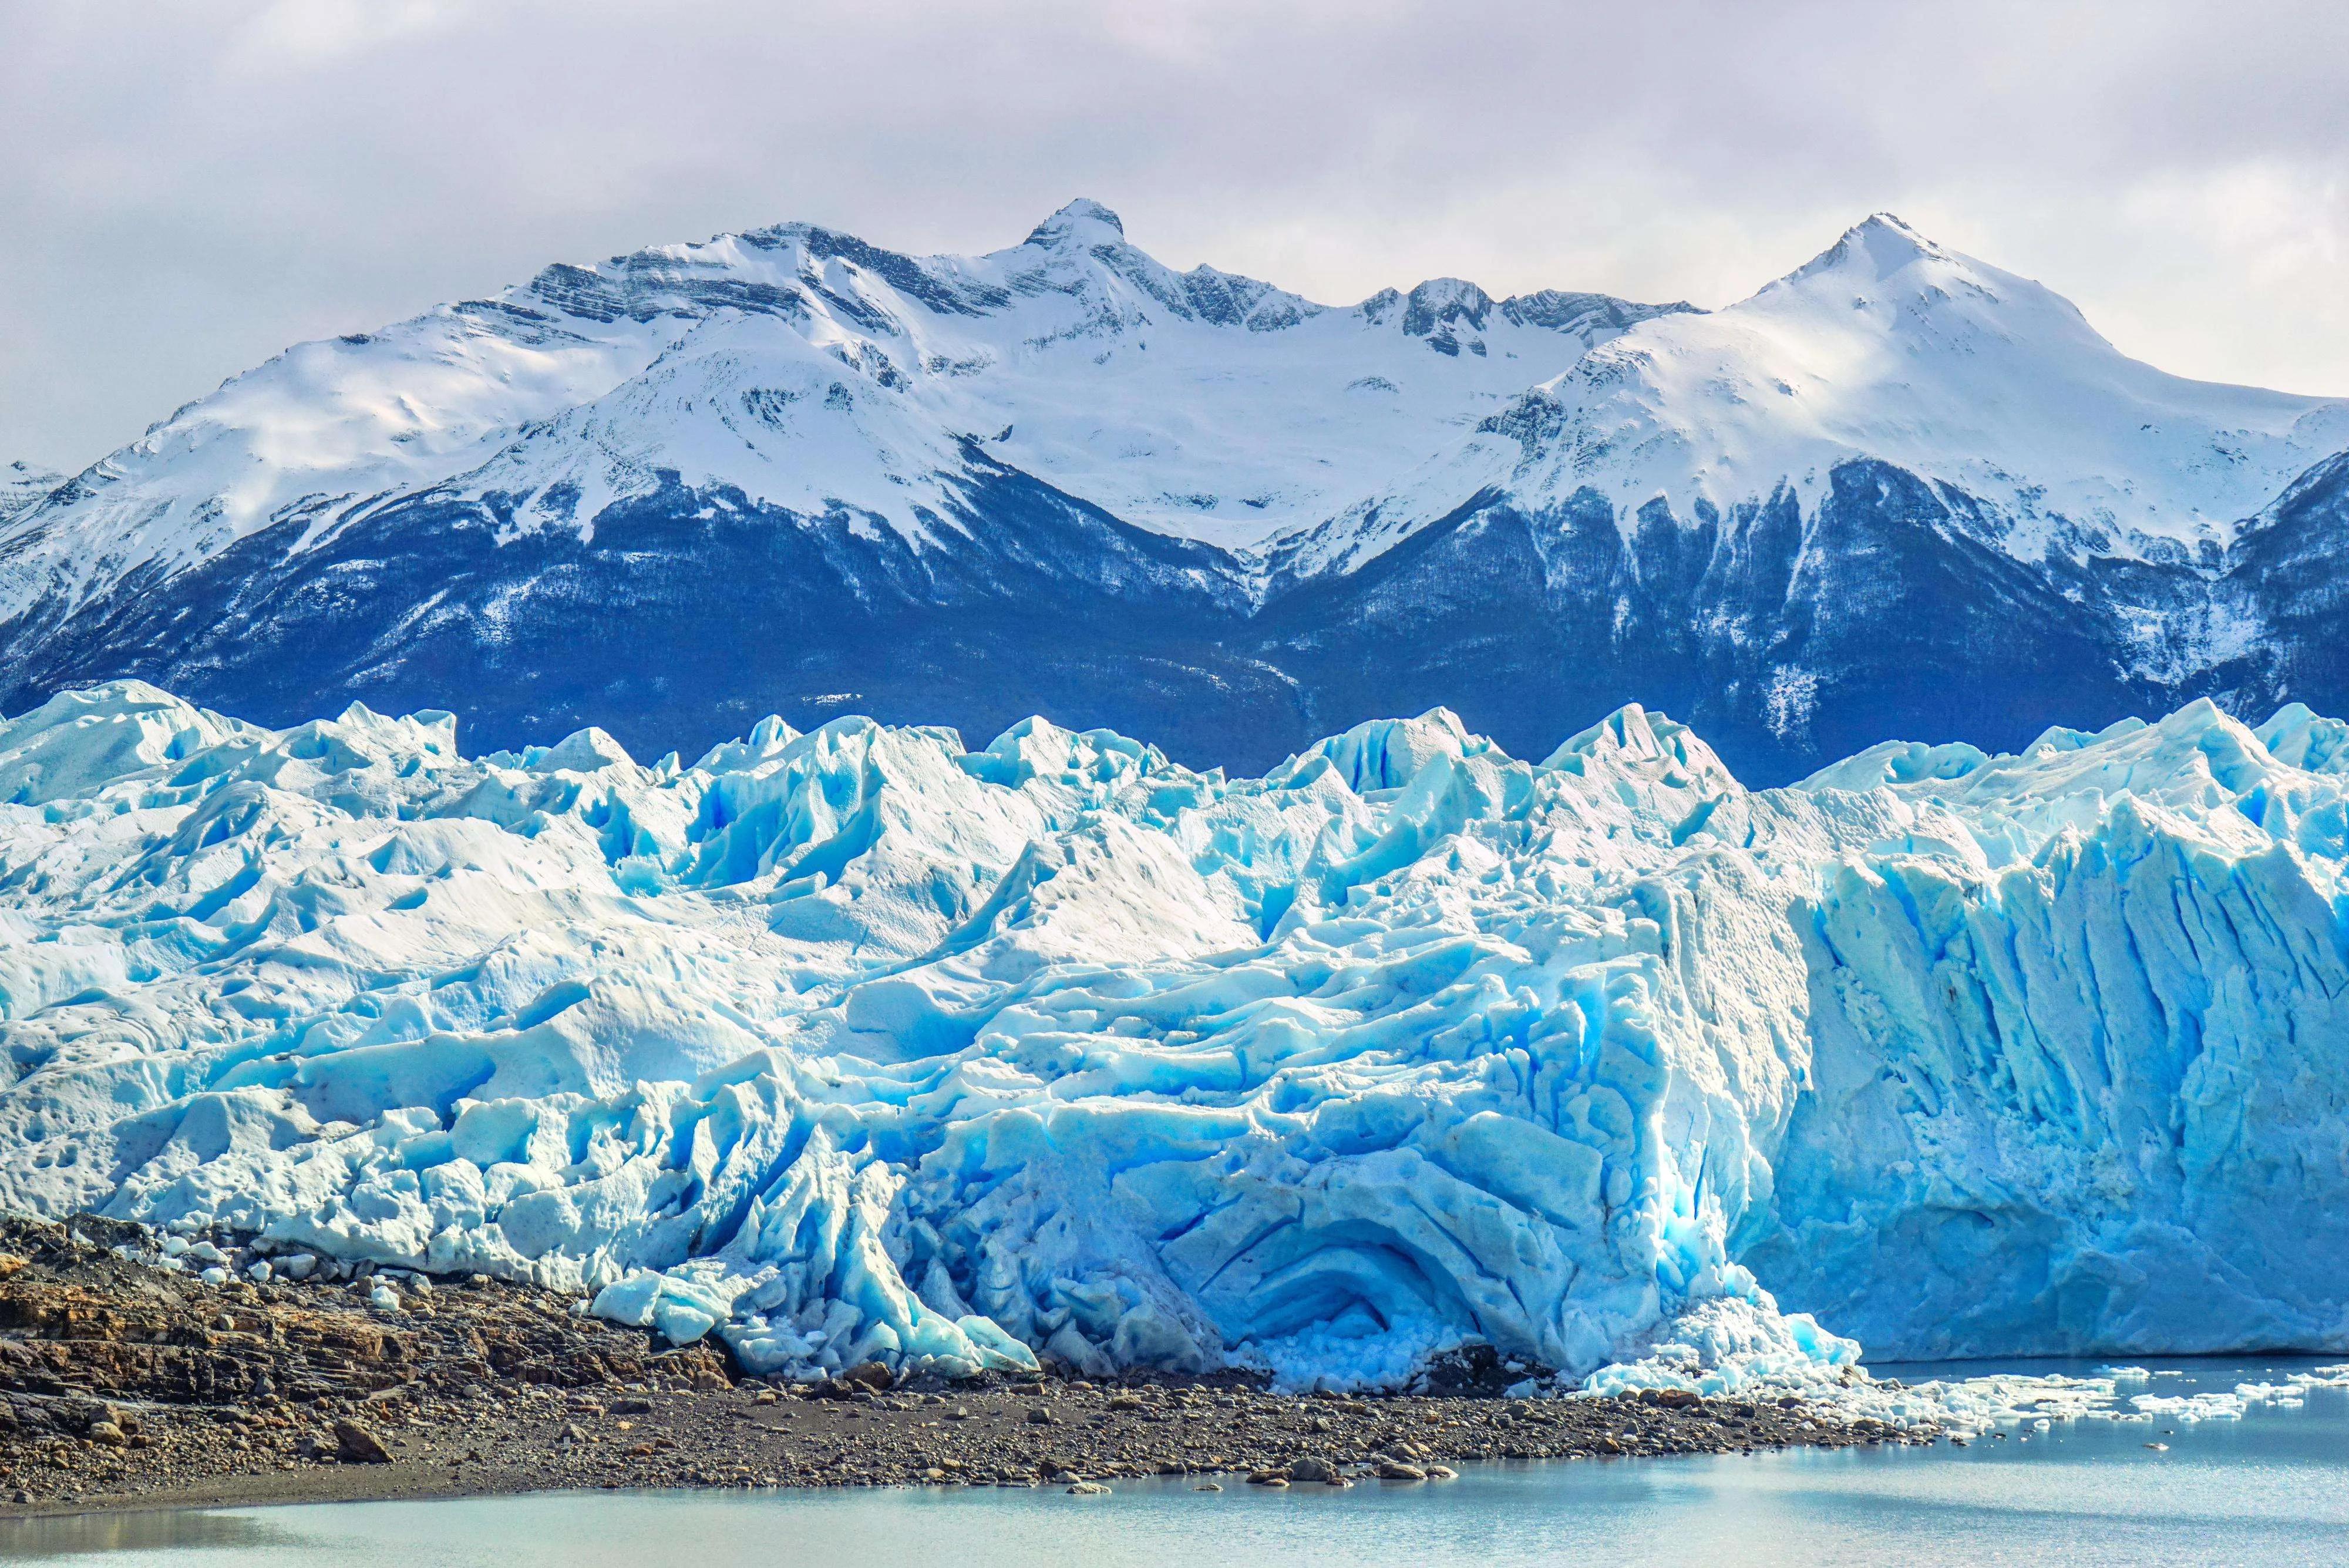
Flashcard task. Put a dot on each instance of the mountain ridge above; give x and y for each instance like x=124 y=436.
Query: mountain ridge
x=1895 y=492
x=23 y=485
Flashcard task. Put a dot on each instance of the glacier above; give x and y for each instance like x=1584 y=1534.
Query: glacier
x=858 y=1044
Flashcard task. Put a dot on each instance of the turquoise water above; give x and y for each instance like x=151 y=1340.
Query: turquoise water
x=2272 y=1488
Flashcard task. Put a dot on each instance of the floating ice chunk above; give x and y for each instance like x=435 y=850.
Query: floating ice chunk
x=2210 y=1406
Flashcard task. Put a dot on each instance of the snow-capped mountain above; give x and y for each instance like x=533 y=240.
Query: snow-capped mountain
x=813 y=372
x=1889 y=348
x=1897 y=491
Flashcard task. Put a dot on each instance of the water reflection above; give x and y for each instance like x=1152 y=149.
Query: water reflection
x=89 y=1534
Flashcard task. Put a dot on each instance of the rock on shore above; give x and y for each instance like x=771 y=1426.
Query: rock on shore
x=123 y=1385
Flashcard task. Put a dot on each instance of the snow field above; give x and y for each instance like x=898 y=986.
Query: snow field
x=801 y=369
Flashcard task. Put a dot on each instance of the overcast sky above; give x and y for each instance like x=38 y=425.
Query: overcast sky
x=187 y=188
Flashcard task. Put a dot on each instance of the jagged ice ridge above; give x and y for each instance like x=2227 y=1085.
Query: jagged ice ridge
x=857 y=1043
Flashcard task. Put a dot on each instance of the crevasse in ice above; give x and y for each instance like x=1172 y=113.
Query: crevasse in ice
x=855 y=1044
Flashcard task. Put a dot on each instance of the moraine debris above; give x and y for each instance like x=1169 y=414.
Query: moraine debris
x=122 y=1384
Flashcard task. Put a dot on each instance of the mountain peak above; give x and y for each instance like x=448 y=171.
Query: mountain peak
x=1893 y=227
x=1440 y=301
x=22 y=484
x=1879 y=246
x=1083 y=222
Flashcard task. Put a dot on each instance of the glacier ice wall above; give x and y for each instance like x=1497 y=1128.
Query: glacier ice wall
x=2080 y=1078
x=856 y=1042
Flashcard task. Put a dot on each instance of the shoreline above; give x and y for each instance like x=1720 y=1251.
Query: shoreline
x=126 y=1387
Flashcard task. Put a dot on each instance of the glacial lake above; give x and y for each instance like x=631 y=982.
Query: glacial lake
x=2270 y=1488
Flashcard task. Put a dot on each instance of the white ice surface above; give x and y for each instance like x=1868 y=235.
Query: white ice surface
x=857 y=1043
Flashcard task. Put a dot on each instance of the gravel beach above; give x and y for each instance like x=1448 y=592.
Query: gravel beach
x=126 y=1386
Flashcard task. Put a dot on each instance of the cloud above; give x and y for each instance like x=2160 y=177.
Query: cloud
x=193 y=187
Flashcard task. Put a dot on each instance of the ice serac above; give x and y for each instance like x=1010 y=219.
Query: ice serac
x=859 y=1043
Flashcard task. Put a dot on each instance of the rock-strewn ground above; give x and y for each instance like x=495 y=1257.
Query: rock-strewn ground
x=127 y=1386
